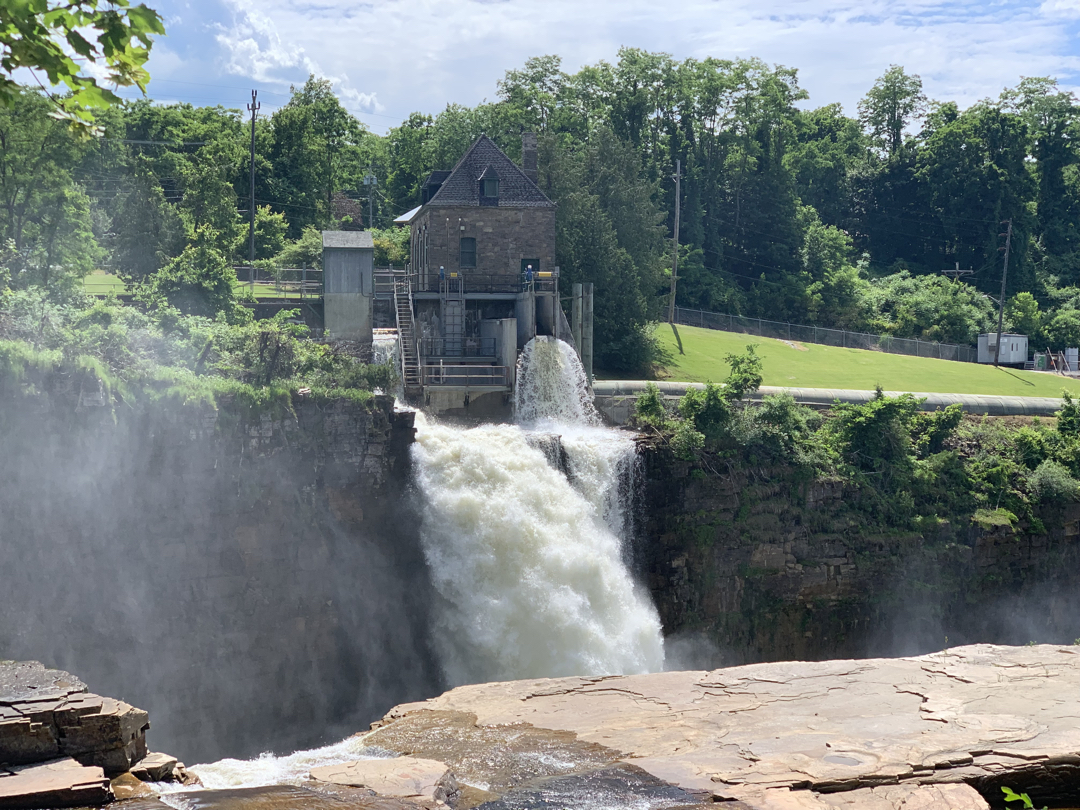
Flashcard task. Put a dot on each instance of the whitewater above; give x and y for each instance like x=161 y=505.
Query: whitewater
x=527 y=550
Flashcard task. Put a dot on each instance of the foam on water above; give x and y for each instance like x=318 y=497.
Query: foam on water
x=529 y=565
x=384 y=352
x=528 y=562
x=268 y=769
x=551 y=386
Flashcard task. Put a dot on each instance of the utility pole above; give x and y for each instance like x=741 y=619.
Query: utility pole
x=253 y=108
x=371 y=181
x=675 y=262
x=1001 y=301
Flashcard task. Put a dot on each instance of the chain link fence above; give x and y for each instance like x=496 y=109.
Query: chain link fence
x=824 y=336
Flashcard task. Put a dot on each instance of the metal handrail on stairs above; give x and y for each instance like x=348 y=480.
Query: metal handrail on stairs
x=403 y=309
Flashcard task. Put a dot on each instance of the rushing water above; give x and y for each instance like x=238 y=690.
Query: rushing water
x=528 y=560
x=525 y=529
x=385 y=352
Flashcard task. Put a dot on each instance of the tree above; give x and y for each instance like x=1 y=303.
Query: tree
x=148 y=231
x=1023 y=315
x=270 y=230
x=895 y=101
x=109 y=36
x=318 y=148
x=200 y=281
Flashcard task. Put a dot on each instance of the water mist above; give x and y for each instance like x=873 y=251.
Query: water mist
x=528 y=560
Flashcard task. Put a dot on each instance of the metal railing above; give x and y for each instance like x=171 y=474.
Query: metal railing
x=382 y=281
x=485 y=282
x=466 y=376
x=301 y=283
x=457 y=347
x=824 y=336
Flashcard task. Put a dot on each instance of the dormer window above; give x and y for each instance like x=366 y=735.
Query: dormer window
x=489 y=187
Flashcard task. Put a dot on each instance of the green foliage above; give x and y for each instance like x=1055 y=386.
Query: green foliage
x=875 y=437
x=895 y=100
x=649 y=406
x=200 y=281
x=148 y=233
x=1011 y=796
x=1051 y=482
x=391 y=246
x=64 y=40
x=686 y=442
x=1068 y=418
x=163 y=353
x=930 y=431
x=270 y=228
x=303 y=252
x=745 y=376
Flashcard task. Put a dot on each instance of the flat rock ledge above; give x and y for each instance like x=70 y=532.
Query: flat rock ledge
x=400 y=777
x=60 y=744
x=934 y=731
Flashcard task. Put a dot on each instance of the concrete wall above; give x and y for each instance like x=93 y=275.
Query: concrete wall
x=250 y=579
x=504 y=236
x=615 y=399
x=348 y=293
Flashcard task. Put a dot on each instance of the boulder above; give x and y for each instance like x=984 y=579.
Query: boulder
x=400 y=777
x=59 y=783
x=127 y=786
x=47 y=714
x=156 y=768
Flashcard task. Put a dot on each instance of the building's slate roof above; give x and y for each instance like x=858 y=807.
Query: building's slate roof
x=347 y=239
x=462 y=188
x=437 y=177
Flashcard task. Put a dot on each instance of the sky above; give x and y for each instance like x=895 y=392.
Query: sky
x=388 y=58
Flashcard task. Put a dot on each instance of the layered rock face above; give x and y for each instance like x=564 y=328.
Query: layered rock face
x=249 y=577
x=940 y=730
x=59 y=744
x=758 y=564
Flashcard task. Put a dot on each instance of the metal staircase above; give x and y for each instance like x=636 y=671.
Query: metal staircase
x=453 y=314
x=406 y=326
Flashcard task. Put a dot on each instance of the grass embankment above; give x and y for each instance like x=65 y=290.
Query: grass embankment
x=101 y=283
x=808 y=365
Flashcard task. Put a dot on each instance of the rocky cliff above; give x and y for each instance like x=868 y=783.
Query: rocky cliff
x=249 y=576
x=753 y=563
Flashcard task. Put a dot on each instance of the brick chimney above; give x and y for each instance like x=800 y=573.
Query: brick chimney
x=528 y=156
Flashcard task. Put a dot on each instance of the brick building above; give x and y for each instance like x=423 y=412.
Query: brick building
x=481 y=282
x=485 y=219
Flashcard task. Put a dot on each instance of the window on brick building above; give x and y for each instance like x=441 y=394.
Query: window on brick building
x=467 y=252
x=490 y=188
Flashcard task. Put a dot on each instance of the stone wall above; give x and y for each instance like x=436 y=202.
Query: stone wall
x=251 y=578
x=504 y=236
x=751 y=565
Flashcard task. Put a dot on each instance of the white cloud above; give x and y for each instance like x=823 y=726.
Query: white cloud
x=421 y=54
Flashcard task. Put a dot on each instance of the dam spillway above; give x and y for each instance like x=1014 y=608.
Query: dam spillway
x=528 y=560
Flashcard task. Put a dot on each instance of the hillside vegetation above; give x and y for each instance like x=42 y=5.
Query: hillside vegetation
x=811 y=215
x=808 y=365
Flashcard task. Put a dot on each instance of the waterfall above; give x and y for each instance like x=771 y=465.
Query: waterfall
x=529 y=560
x=551 y=386
x=384 y=352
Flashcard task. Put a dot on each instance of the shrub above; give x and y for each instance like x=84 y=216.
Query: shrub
x=1050 y=481
x=649 y=406
x=686 y=442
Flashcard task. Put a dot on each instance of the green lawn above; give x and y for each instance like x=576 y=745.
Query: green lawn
x=101 y=283
x=814 y=366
